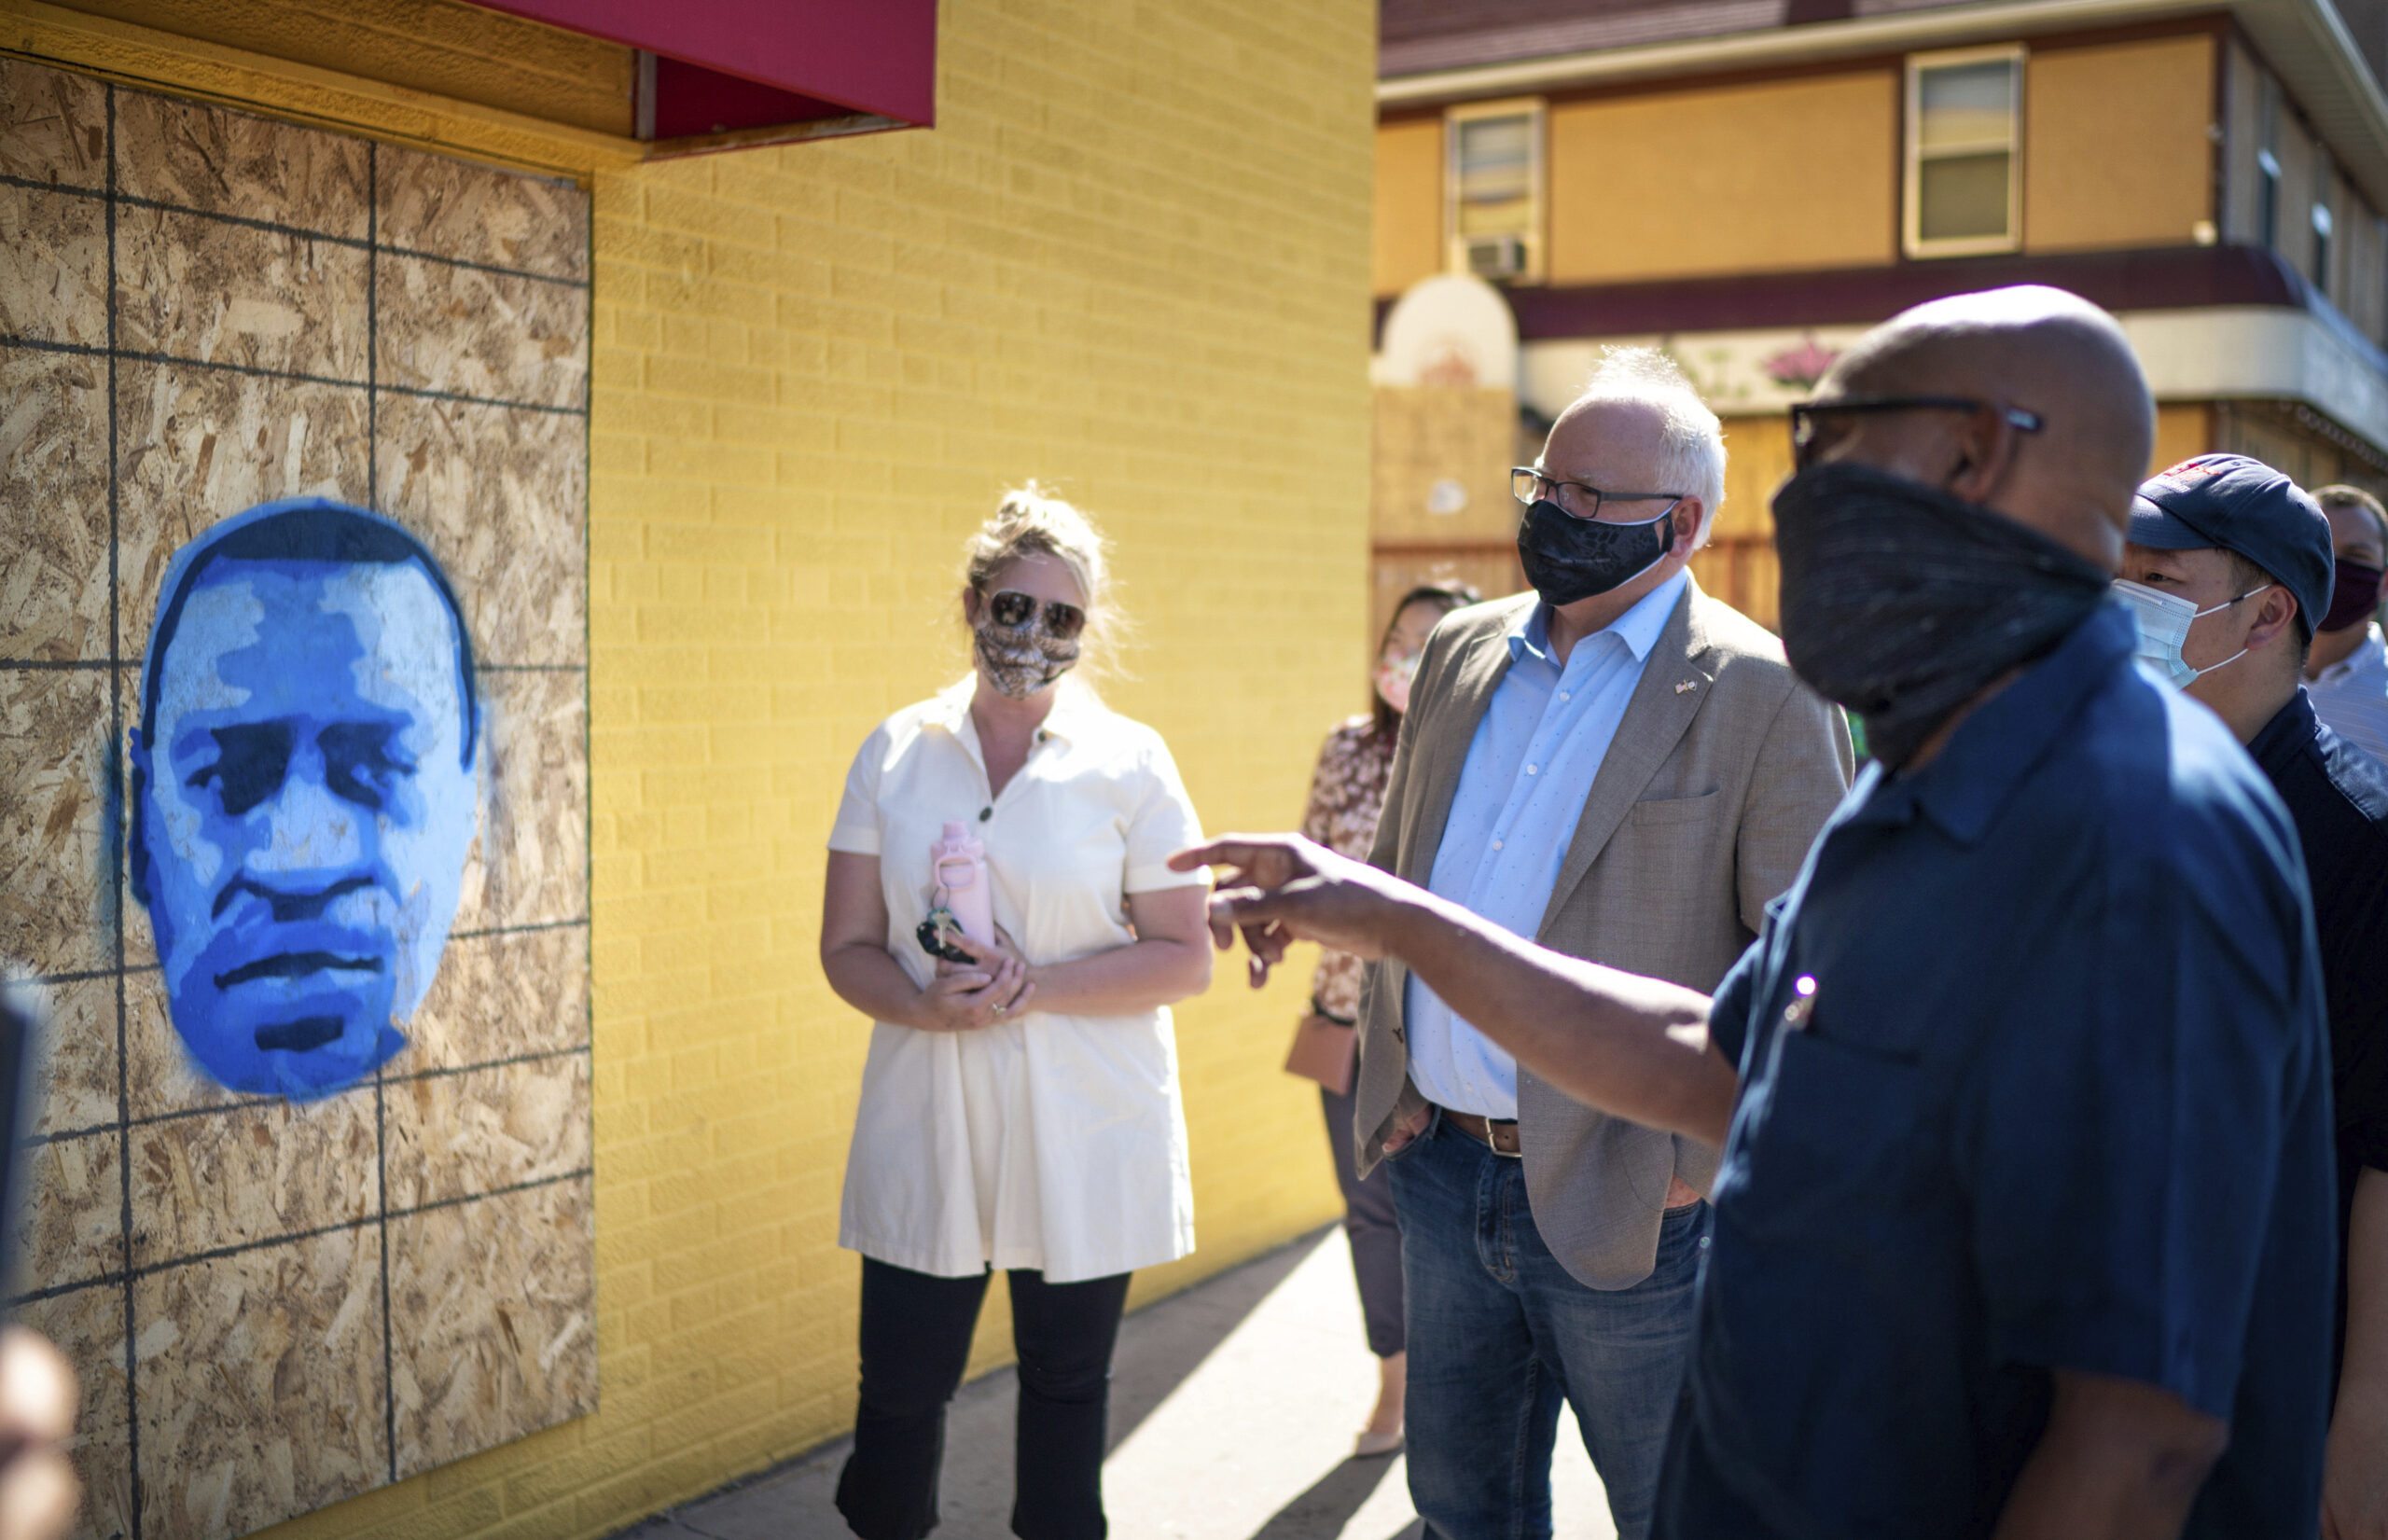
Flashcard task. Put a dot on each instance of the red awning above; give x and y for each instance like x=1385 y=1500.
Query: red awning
x=728 y=66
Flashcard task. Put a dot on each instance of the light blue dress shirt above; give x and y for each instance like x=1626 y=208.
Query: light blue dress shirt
x=1520 y=794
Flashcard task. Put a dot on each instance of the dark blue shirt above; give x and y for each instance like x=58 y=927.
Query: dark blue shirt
x=2339 y=797
x=2035 y=1077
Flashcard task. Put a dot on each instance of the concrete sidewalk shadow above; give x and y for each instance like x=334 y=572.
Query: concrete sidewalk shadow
x=1160 y=1347
x=1330 y=1503
x=1233 y=1407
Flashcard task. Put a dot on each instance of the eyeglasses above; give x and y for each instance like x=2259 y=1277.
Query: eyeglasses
x=1011 y=607
x=1804 y=415
x=1580 y=500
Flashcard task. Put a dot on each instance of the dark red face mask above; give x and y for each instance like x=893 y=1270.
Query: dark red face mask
x=2352 y=596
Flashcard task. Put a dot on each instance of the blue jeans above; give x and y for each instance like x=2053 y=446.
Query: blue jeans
x=1499 y=1332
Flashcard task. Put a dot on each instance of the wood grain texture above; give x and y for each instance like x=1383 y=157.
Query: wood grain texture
x=261 y=1385
x=530 y=864
x=256 y=1225
x=467 y=331
x=251 y=1173
x=53 y=506
x=78 y=1043
x=454 y=1136
x=53 y=266
x=499 y=494
x=71 y=1228
x=55 y=902
x=492 y=1310
x=53 y=126
x=193 y=288
x=477 y=213
x=220 y=161
x=501 y=997
x=198 y=445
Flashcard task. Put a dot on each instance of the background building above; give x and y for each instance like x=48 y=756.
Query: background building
x=1752 y=185
x=1128 y=258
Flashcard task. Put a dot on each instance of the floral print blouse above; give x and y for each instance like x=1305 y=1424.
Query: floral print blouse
x=1346 y=798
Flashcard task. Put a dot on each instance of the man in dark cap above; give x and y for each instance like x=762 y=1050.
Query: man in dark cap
x=2346 y=672
x=2230 y=564
x=2023 y=1225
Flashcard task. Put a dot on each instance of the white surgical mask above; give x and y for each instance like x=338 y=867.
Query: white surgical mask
x=2164 y=621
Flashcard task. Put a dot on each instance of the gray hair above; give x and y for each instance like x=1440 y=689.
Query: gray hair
x=1692 y=447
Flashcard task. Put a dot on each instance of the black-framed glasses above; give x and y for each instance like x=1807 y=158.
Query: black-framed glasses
x=1579 y=499
x=1011 y=607
x=1804 y=415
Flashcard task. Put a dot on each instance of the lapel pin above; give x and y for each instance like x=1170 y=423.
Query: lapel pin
x=1686 y=687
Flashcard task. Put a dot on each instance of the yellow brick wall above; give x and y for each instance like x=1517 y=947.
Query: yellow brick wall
x=1131 y=259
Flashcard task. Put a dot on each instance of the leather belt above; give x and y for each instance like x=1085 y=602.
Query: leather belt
x=1499 y=1136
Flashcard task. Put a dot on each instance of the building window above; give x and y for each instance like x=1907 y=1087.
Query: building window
x=1963 y=132
x=1493 y=211
x=2268 y=168
x=2321 y=249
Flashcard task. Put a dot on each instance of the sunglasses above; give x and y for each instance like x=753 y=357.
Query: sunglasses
x=1806 y=425
x=1014 y=609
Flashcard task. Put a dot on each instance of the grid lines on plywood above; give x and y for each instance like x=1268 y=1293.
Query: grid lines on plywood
x=277 y=1304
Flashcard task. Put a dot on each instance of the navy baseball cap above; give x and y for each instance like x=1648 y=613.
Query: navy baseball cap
x=2244 y=506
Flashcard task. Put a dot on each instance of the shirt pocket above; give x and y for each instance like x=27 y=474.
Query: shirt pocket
x=1837 y=1142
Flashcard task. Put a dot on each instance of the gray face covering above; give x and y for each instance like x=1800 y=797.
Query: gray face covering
x=1020 y=661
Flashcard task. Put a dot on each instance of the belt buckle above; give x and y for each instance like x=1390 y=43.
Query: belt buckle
x=1492 y=1140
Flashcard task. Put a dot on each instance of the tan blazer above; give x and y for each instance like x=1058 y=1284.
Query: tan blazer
x=1702 y=811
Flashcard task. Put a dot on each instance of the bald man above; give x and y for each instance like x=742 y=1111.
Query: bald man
x=2023 y=1225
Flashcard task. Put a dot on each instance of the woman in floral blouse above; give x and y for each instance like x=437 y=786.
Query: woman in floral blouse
x=1346 y=797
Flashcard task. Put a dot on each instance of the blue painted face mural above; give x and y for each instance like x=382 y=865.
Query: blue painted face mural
x=304 y=792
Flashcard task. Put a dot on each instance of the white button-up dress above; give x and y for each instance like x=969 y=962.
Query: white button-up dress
x=1048 y=1142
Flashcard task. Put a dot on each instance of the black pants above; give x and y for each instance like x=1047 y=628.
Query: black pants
x=916 y=1342
x=1376 y=1238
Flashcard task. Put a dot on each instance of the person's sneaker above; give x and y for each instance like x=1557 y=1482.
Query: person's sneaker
x=1371 y=1444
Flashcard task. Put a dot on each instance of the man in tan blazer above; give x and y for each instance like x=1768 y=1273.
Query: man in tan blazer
x=1626 y=769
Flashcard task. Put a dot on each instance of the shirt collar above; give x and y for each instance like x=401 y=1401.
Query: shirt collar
x=1074 y=705
x=2369 y=657
x=1638 y=627
x=2292 y=728
x=1991 y=752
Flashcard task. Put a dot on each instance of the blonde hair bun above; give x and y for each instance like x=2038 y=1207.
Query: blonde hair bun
x=1030 y=521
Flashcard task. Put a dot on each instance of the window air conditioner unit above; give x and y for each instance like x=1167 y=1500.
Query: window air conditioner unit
x=1496 y=256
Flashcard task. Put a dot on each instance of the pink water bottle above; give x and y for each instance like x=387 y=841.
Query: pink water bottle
x=960 y=863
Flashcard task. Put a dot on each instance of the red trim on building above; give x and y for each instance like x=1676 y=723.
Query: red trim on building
x=2166 y=278
x=725 y=65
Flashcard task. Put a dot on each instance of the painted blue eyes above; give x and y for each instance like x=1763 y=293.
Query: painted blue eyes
x=361 y=763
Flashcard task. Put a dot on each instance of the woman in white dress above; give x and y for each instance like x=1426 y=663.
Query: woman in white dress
x=1020 y=1106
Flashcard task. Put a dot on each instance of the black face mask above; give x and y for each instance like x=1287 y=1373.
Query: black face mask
x=1901 y=602
x=1567 y=559
x=2355 y=590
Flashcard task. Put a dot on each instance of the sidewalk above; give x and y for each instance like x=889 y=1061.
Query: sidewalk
x=1233 y=1407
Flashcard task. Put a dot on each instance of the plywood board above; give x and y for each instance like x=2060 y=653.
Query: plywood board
x=282 y=1294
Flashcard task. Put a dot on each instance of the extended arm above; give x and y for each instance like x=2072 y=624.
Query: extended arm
x=2118 y=1460
x=2354 y=1485
x=1633 y=1047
